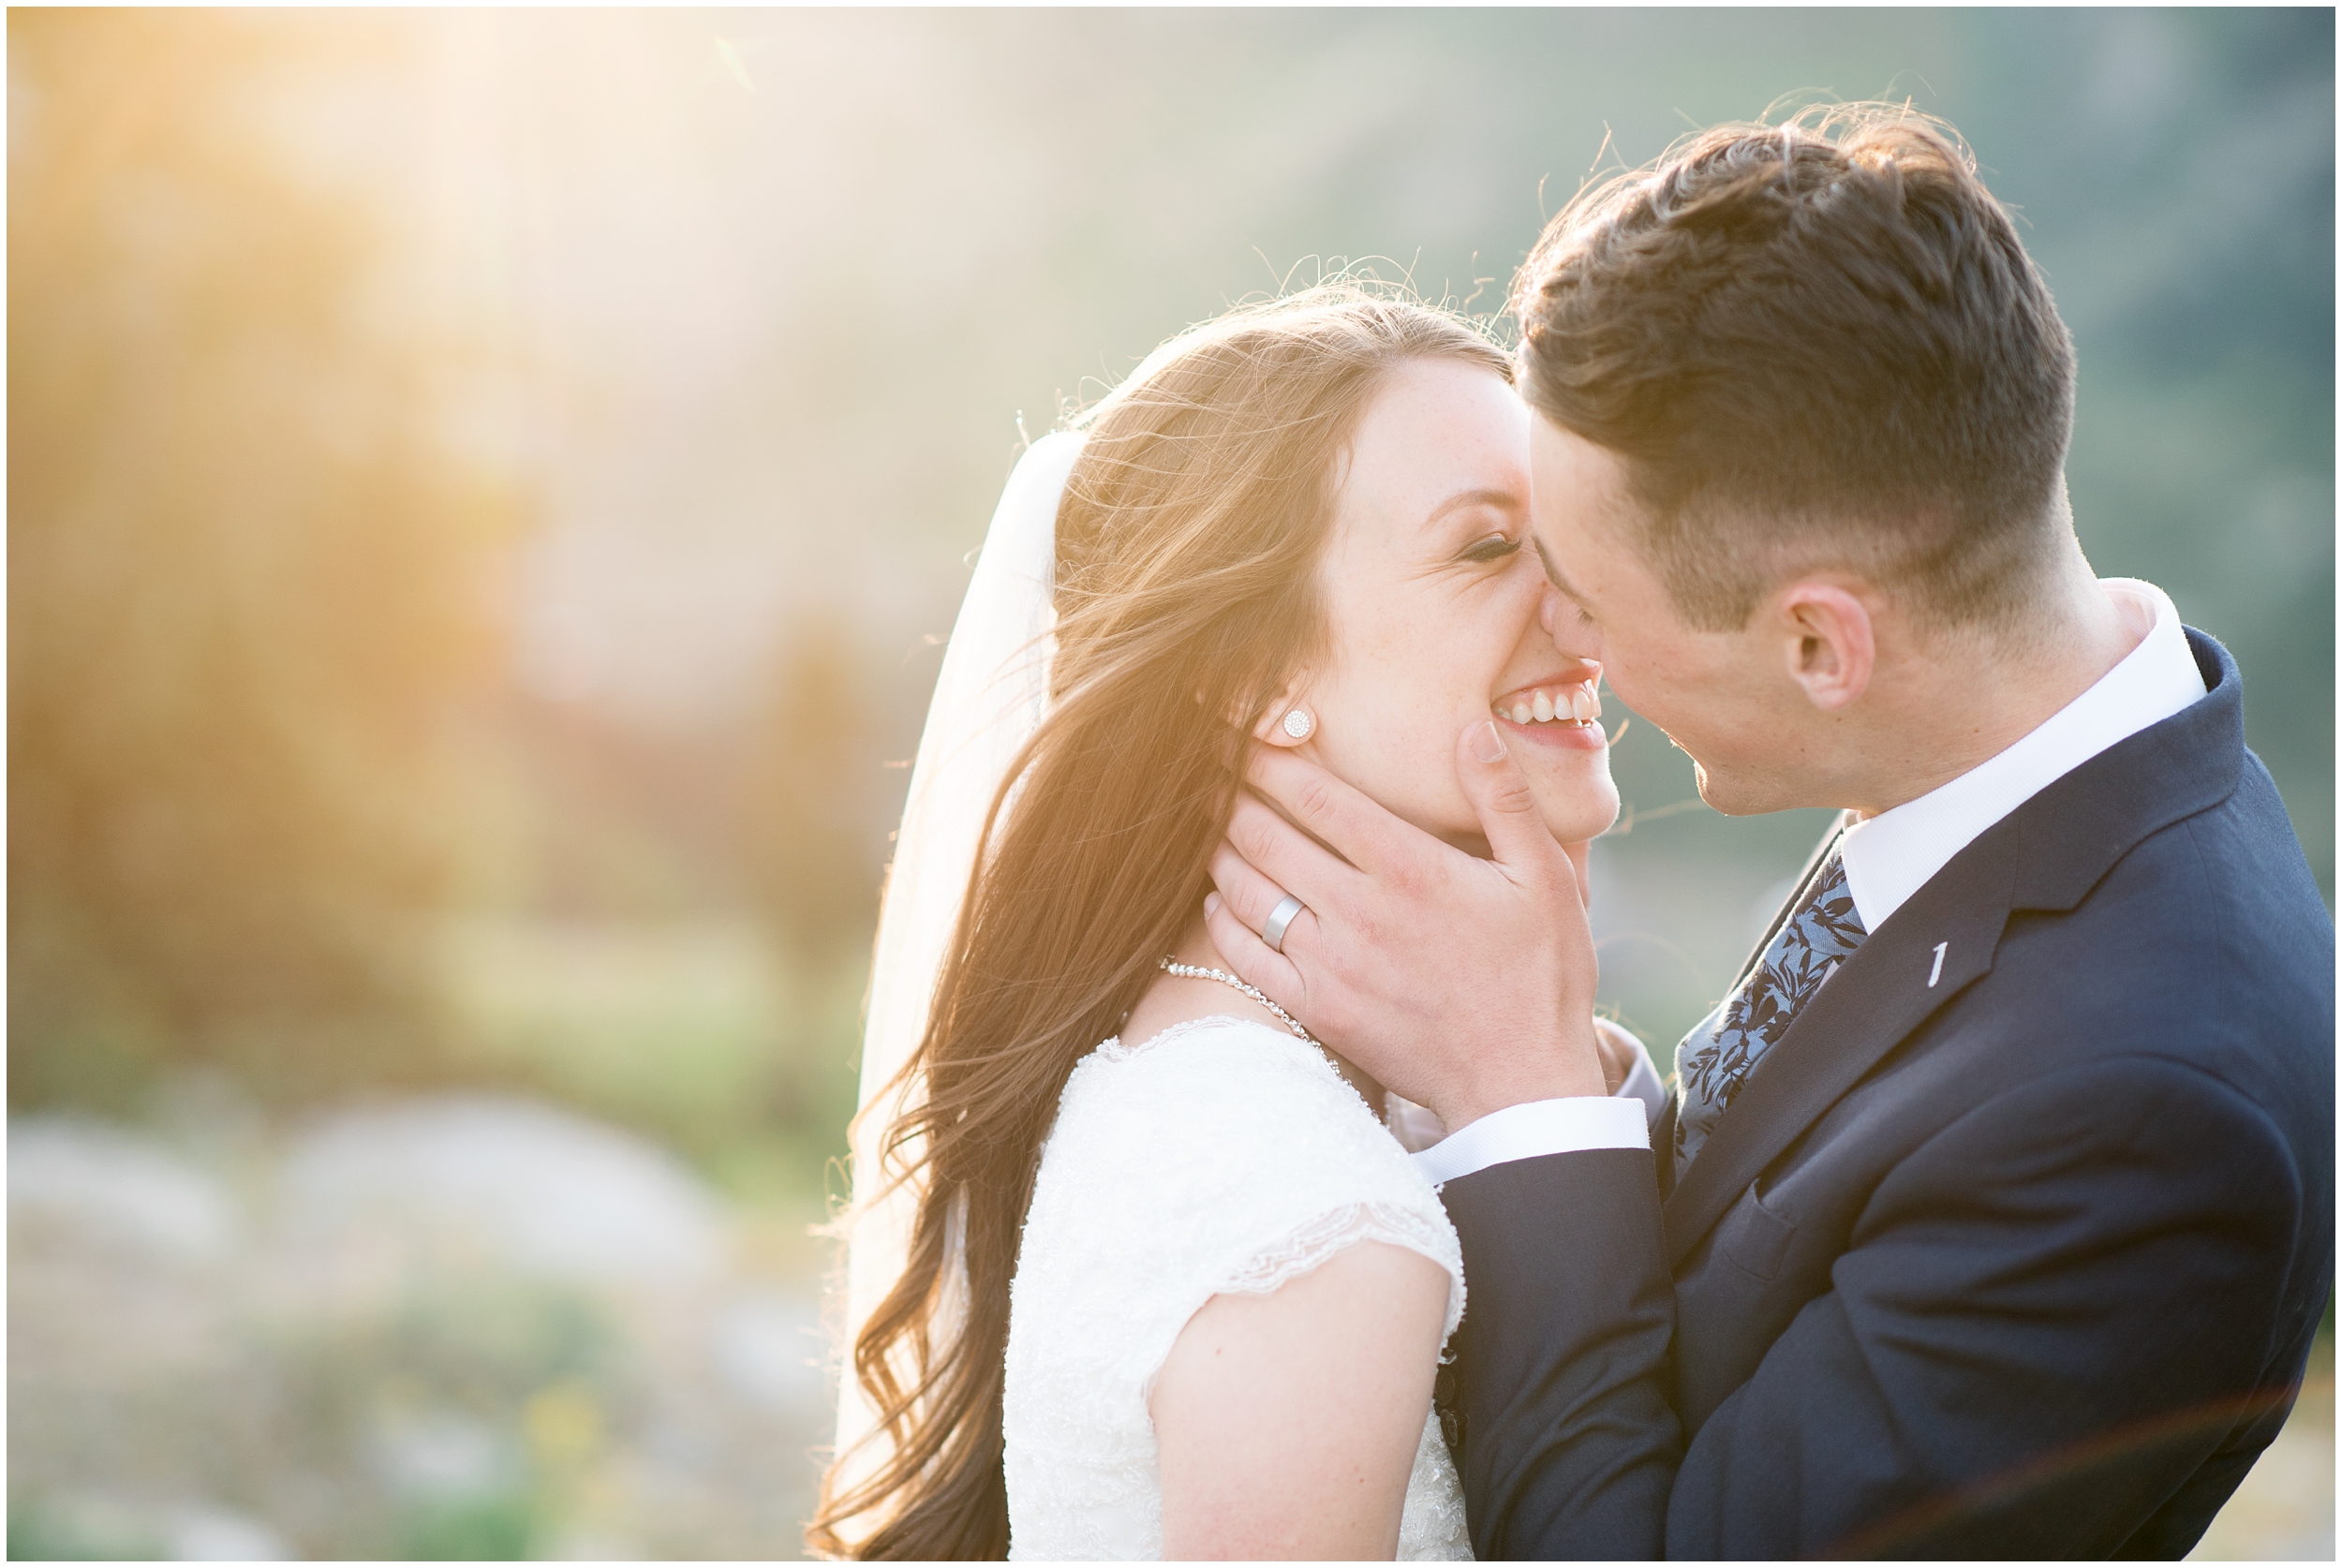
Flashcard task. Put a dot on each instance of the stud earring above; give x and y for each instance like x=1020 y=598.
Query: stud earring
x=1299 y=723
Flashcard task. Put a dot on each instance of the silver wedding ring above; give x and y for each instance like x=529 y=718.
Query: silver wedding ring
x=1279 y=917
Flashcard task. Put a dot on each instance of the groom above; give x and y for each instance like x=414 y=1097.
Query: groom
x=1993 y=1209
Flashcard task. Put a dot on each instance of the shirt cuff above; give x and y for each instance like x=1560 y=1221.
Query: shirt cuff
x=1539 y=1128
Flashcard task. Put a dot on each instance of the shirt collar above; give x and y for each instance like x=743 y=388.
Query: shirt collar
x=1892 y=855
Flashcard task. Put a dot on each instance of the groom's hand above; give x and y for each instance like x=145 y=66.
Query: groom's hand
x=1465 y=985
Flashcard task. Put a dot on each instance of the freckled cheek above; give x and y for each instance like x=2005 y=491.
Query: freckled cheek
x=1391 y=736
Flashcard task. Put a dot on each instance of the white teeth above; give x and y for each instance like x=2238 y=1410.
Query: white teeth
x=1571 y=704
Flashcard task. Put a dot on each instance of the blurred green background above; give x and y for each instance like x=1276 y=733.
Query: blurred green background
x=486 y=493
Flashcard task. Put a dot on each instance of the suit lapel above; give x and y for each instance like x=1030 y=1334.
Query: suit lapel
x=1878 y=997
x=2044 y=855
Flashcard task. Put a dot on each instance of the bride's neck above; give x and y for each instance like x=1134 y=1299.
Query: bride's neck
x=1174 y=1000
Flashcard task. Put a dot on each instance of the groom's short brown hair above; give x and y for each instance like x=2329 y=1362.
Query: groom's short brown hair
x=1816 y=343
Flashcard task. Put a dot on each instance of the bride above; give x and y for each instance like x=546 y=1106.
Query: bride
x=1144 y=1273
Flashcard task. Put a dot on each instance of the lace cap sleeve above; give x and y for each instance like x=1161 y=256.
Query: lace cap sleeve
x=1220 y=1156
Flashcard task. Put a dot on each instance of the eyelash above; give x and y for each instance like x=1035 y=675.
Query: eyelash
x=1494 y=548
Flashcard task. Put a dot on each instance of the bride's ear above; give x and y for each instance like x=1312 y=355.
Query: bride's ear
x=1289 y=721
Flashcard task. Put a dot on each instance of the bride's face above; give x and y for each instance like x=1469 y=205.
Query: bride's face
x=1432 y=602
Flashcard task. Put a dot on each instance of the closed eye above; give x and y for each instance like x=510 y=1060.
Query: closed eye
x=1494 y=548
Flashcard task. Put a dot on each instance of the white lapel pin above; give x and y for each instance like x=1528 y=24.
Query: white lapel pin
x=1938 y=972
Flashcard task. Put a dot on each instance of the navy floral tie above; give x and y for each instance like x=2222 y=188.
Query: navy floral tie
x=1715 y=1060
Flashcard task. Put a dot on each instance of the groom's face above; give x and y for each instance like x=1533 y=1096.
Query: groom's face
x=1720 y=695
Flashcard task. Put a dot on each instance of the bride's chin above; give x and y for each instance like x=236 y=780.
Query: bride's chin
x=1579 y=811
x=1575 y=803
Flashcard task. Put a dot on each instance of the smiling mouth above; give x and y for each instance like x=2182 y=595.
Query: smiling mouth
x=1572 y=703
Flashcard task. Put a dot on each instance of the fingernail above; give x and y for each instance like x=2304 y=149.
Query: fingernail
x=1212 y=903
x=1488 y=741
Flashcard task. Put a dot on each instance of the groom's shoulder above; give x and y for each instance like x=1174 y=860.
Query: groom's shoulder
x=2203 y=941
x=2226 y=887
x=2170 y=849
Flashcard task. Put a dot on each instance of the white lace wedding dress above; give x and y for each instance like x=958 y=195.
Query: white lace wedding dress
x=1219 y=1156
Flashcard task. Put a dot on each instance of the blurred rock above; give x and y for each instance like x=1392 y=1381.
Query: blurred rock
x=205 y=1534
x=443 y=1454
x=104 y=1185
x=536 y=1189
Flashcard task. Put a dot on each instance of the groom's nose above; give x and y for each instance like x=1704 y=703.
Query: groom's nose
x=1572 y=635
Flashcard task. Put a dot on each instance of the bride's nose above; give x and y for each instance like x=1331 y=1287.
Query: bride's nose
x=1547 y=608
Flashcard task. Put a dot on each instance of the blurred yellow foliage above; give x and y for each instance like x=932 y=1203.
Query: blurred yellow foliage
x=563 y=1424
x=250 y=590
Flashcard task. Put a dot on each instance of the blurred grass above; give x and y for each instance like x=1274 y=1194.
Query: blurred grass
x=708 y=1036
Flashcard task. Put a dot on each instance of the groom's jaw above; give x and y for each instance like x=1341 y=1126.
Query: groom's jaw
x=1551 y=703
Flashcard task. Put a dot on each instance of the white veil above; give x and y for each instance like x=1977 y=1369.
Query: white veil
x=989 y=700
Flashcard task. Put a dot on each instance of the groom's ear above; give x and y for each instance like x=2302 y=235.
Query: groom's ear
x=1826 y=640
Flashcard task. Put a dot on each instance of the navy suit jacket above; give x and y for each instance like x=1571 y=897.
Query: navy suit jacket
x=2022 y=1261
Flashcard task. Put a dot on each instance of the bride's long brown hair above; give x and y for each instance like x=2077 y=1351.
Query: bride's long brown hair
x=1187 y=542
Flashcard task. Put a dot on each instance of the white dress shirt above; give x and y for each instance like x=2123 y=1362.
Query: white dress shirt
x=1888 y=858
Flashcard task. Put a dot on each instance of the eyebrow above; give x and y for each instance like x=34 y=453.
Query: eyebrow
x=1503 y=500
x=1553 y=573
